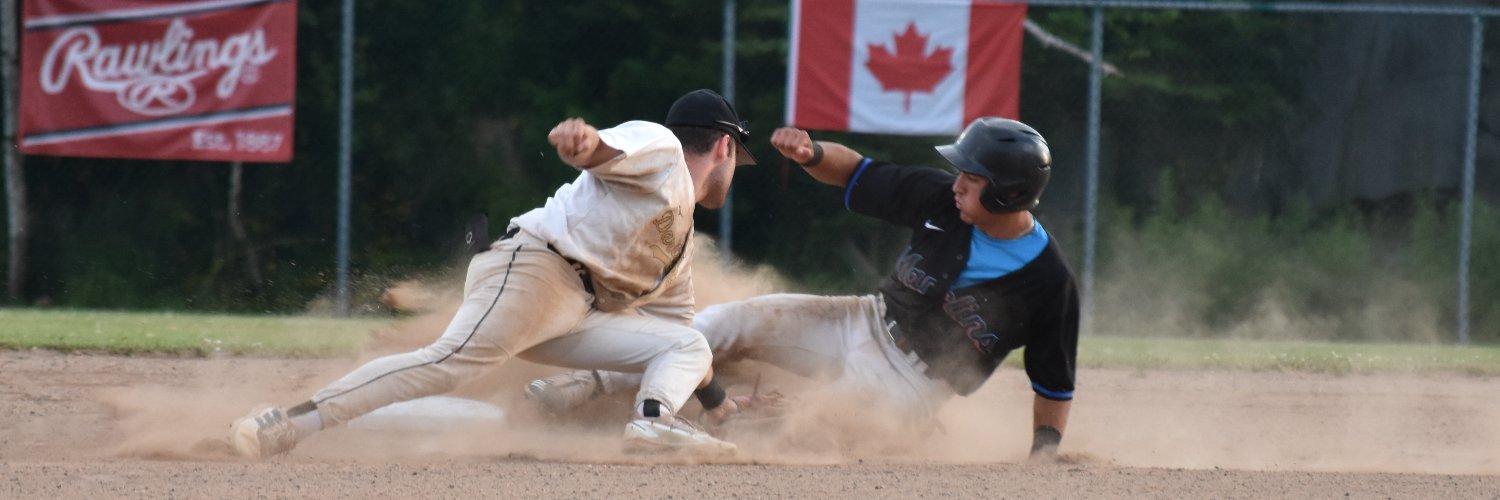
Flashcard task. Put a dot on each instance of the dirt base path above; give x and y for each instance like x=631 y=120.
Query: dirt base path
x=90 y=426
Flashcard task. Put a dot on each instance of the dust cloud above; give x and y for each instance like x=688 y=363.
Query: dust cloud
x=1194 y=420
x=1143 y=299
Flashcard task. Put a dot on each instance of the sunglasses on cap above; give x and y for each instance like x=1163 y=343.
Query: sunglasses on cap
x=741 y=129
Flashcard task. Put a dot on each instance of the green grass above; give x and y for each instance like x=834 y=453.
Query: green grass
x=201 y=334
x=204 y=334
x=1255 y=355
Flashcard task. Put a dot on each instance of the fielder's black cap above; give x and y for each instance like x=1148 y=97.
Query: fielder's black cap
x=706 y=108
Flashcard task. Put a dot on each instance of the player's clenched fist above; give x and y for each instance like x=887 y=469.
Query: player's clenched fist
x=575 y=141
x=793 y=143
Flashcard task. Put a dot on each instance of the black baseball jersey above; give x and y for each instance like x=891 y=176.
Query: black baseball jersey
x=963 y=334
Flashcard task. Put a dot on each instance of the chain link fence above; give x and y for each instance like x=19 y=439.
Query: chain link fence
x=1273 y=169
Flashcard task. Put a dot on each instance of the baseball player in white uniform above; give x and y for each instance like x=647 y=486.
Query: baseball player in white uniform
x=597 y=278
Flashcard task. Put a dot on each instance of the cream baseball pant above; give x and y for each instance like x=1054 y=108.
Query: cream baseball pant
x=522 y=299
x=841 y=341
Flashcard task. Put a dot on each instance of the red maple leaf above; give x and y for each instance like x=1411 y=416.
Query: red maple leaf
x=910 y=69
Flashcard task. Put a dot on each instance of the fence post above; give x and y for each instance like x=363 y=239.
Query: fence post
x=1091 y=179
x=346 y=125
x=1465 y=238
x=726 y=212
x=18 y=218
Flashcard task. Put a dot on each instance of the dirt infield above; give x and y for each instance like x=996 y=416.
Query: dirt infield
x=91 y=426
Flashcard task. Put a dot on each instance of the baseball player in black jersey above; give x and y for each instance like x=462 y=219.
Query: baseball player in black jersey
x=980 y=278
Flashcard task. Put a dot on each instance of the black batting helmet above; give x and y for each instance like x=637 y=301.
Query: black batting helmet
x=1012 y=155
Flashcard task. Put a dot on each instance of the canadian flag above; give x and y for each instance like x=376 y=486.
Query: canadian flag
x=903 y=66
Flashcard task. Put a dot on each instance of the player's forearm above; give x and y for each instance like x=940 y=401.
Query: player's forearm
x=601 y=154
x=837 y=165
x=828 y=162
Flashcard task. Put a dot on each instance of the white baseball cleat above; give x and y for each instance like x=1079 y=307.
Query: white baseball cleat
x=263 y=433
x=672 y=434
x=560 y=393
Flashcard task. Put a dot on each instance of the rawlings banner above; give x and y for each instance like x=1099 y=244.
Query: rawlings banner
x=903 y=66
x=158 y=79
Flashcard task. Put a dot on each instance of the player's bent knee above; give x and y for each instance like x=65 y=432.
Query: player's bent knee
x=696 y=345
x=693 y=350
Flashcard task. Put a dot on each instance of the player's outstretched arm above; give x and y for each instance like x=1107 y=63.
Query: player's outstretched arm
x=578 y=144
x=828 y=162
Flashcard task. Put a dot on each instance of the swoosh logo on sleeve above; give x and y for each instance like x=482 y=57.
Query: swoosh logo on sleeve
x=928 y=224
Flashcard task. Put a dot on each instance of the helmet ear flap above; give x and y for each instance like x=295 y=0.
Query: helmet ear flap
x=997 y=199
x=993 y=199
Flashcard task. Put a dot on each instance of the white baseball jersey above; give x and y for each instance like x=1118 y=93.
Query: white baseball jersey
x=628 y=221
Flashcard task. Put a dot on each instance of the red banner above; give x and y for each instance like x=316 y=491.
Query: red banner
x=903 y=66
x=159 y=79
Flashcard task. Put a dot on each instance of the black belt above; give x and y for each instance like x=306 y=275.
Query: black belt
x=583 y=272
x=902 y=342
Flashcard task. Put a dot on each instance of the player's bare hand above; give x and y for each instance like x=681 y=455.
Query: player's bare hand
x=793 y=143
x=575 y=140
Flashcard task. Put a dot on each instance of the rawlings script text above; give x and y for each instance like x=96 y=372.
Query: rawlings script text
x=154 y=77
